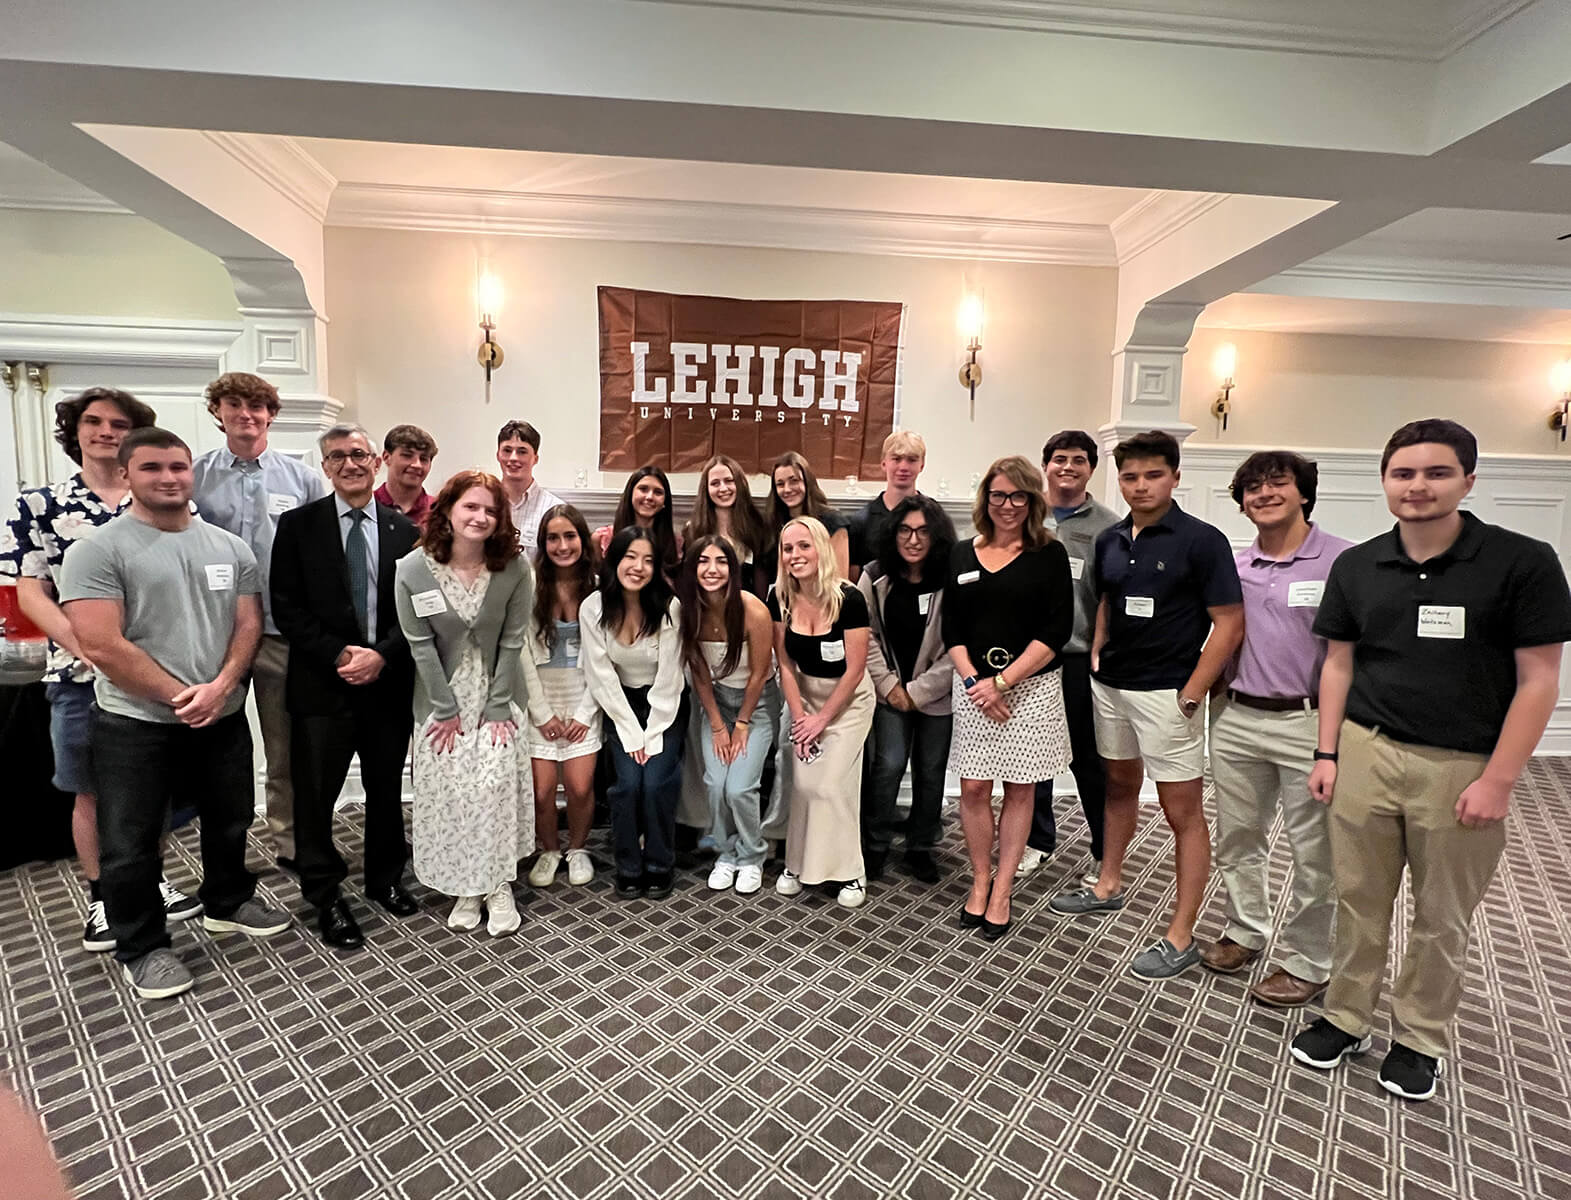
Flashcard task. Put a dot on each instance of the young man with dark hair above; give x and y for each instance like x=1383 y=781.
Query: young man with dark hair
x=245 y=487
x=1068 y=461
x=408 y=453
x=518 y=453
x=1263 y=736
x=1443 y=668
x=1169 y=617
x=48 y=522
x=166 y=608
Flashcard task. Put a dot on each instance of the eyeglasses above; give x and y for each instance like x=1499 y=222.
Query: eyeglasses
x=1013 y=499
x=914 y=533
x=337 y=458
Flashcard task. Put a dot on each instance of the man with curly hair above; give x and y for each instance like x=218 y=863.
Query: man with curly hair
x=48 y=521
x=244 y=487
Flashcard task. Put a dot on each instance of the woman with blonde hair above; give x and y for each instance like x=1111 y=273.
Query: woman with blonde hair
x=1008 y=608
x=821 y=639
x=724 y=508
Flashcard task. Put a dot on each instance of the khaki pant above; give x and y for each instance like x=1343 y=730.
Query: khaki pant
x=267 y=690
x=1395 y=806
x=1258 y=760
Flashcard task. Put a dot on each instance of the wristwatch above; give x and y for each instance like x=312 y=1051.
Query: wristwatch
x=1188 y=706
x=1325 y=755
x=968 y=682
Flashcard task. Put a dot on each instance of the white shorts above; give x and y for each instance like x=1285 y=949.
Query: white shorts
x=1148 y=726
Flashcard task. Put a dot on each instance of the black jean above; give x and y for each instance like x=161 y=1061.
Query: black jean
x=143 y=767
x=1090 y=778
x=320 y=749
x=644 y=796
x=901 y=737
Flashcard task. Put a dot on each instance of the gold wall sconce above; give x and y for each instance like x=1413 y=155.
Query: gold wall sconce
x=1560 y=381
x=1224 y=363
x=970 y=323
x=488 y=292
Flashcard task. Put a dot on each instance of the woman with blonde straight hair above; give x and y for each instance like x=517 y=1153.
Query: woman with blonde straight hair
x=821 y=638
x=1008 y=608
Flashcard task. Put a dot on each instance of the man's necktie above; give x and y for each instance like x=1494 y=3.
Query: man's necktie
x=355 y=559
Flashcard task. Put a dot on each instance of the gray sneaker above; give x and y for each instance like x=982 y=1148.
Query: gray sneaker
x=158 y=974
x=252 y=917
x=1165 y=960
x=1085 y=900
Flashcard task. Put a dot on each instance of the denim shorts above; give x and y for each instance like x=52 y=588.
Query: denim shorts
x=71 y=735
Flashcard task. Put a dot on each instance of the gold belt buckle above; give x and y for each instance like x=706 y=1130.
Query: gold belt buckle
x=998 y=658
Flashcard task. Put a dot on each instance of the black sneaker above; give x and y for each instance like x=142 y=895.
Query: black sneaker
x=95 y=934
x=177 y=905
x=629 y=887
x=657 y=884
x=1409 y=1074
x=1324 y=1046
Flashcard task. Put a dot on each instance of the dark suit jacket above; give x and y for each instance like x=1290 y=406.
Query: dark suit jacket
x=311 y=604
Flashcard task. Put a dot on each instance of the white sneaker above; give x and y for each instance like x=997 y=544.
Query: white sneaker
x=465 y=914
x=580 y=868
x=504 y=913
x=788 y=884
x=1029 y=861
x=722 y=877
x=543 y=873
x=749 y=880
x=853 y=894
x=1091 y=877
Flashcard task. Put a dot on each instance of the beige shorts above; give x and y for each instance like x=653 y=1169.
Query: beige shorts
x=1148 y=726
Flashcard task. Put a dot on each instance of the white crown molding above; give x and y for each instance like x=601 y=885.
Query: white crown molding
x=1433 y=272
x=52 y=200
x=284 y=165
x=1477 y=18
x=1158 y=215
x=770 y=226
x=115 y=341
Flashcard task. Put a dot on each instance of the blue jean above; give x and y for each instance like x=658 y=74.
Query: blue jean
x=735 y=813
x=922 y=740
x=643 y=797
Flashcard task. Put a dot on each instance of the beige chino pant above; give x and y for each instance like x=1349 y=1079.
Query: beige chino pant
x=267 y=689
x=1260 y=760
x=1395 y=806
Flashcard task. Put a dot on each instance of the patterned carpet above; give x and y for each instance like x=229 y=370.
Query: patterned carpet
x=718 y=1046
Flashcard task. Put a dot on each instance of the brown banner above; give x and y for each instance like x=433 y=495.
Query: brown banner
x=686 y=377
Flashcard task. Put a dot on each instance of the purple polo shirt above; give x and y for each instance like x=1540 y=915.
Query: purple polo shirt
x=1281 y=656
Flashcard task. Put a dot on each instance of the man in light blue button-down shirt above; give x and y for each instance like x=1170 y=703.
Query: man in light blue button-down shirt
x=244 y=488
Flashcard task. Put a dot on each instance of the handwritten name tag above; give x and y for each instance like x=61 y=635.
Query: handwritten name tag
x=1077 y=567
x=924 y=603
x=1139 y=606
x=834 y=651
x=220 y=576
x=1307 y=594
x=428 y=604
x=966 y=577
x=278 y=503
x=1442 y=621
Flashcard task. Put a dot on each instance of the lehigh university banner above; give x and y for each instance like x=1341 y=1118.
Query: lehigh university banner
x=686 y=377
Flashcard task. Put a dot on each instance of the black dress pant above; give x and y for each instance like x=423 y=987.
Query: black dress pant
x=1090 y=777
x=321 y=747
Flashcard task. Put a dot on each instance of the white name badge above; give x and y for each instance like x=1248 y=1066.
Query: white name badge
x=832 y=651
x=1306 y=594
x=570 y=648
x=428 y=604
x=1139 y=606
x=924 y=603
x=220 y=576
x=278 y=504
x=968 y=577
x=1077 y=567
x=1442 y=621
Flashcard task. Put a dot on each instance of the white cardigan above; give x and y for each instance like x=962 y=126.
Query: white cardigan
x=653 y=661
x=532 y=658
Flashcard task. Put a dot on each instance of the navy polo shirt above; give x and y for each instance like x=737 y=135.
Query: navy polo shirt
x=1434 y=643
x=1158 y=587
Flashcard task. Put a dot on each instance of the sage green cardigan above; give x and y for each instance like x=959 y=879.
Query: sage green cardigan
x=437 y=642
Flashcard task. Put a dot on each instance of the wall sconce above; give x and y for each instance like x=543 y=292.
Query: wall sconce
x=488 y=291
x=1560 y=380
x=1223 y=364
x=970 y=322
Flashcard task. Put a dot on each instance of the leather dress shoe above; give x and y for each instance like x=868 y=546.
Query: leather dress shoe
x=1227 y=957
x=338 y=926
x=873 y=862
x=657 y=884
x=1283 y=989
x=395 y=900
x=920 y=864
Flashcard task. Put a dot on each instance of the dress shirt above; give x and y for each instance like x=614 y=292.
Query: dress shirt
x=527 y=513
x=417 y=514
x=1281 y=656
x=372 y=553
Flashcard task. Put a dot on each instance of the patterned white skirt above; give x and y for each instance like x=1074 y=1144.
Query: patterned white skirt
x=1031 y=746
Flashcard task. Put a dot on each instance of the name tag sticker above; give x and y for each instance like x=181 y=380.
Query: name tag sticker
x=834 y=651
x=1139 y=606
x=278 y=503
x=966 y=577
x=220 y=577
x=428 y=604
x=1077 y=567
x=570 y=648
x=1442 y=621
x=924 y=603
x=1306 y=594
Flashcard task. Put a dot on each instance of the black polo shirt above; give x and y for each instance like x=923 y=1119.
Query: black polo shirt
x=1159 y=586
x=1434 y=642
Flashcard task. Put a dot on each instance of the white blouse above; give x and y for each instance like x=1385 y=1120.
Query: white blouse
x=653 y=661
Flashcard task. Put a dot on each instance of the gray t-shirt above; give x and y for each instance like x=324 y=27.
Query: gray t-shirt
x=179 y=591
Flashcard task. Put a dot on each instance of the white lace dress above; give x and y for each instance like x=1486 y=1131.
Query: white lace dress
x=474 y=810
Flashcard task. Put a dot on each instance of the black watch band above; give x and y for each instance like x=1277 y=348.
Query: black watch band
x=1325 y=755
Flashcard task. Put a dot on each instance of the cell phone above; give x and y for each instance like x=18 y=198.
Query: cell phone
x=813 y=752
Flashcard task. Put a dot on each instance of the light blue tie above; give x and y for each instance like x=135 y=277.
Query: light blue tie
x=355 y=560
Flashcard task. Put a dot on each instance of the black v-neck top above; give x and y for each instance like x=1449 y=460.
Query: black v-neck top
x=1030 y=599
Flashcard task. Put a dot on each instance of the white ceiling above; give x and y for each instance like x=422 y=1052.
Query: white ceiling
x=1383 y=318
x=1465 y=235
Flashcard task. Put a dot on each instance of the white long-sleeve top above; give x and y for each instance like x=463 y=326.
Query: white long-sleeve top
x=653 y=661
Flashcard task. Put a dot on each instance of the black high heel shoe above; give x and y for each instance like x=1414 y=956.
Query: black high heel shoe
x=971 y=920
x=992 y=932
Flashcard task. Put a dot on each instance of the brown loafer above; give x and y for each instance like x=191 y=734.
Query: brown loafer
x=1283 y=989
x=1227 y=957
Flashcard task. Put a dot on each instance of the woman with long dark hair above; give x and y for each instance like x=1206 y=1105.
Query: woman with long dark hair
x=794 y=492
x=646 y=503
x=724 y=507
x=632 y=657
x=463 y=598
x=727 y=643
x=912 y=675
x=564 y=720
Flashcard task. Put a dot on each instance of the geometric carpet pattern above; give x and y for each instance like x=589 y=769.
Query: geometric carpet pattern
x=712 y=1045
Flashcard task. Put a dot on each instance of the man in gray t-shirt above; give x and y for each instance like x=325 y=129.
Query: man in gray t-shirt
x=167 y=608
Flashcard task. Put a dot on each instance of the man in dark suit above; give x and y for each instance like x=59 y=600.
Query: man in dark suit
x=350 y=678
